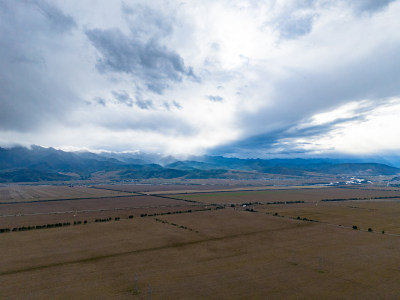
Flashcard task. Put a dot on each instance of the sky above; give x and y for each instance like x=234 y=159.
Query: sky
x=236 y=78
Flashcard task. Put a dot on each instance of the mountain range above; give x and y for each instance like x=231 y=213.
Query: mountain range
x=35 y=164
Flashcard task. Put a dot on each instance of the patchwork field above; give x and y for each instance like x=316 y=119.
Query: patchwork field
x=159 y=247
x=379 y=215
x=288 y=195
x=24 y=193
x=173 y=188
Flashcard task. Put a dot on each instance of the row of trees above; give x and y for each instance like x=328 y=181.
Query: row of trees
x=99 y=220
x=179 y=212
x=174 y=224
x=44 y=226
x=369 y=229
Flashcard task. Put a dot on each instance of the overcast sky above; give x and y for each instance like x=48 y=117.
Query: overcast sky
x=243 y=78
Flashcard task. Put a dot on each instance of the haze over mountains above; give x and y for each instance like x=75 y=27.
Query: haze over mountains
x=35 y=164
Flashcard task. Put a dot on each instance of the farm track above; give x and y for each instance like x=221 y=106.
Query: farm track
x=150 y=194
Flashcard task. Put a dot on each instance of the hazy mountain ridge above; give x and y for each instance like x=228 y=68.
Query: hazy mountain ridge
x=35 y=164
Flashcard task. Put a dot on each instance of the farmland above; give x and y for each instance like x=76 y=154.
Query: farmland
x=285 y=195
x=18 y=193
x=200 y=242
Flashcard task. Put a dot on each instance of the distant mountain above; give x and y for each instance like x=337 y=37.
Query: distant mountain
x=360 y=169
x=138 y=158
x=50 y=159
x=191 y=164
x=36 y=164
x=30 y=175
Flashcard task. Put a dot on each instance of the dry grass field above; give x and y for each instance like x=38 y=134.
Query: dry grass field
x=199 y=188
x=222 y=253
x=173 y=188
x=38 y=213
x=293 y=194
x=23 y=193
x=379 y=215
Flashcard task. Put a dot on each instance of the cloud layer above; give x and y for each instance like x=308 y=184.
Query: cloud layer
x=242 y=78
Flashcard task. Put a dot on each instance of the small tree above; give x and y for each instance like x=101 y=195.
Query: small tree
x=355 y=227
x=370 y=229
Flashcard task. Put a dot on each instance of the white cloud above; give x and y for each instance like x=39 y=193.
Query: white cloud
x=355 y=128
x=138 y=75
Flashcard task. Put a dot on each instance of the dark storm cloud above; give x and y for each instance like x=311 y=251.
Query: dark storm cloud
x=30 y=94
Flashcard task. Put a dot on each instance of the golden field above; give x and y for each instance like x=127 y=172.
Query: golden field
x=217 y=253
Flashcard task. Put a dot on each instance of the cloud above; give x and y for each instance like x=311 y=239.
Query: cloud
x=147 y=22
x=294 y=19
x=100 y=101
x=144 y=104
x=241 y=77
x=295 y=27
x=140 y=53
x=176 y=104
x=323 y=133
x=32 y=94
x=215 y=98
x=172 y=104
x=156 y=65
x=310 y=78
x=370 y=5
x=122 y=97
x=57 y=20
